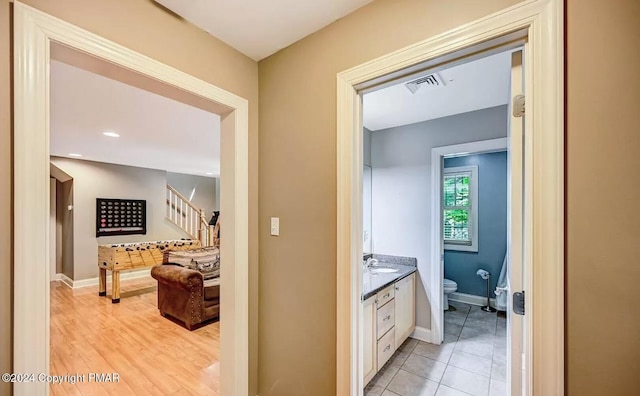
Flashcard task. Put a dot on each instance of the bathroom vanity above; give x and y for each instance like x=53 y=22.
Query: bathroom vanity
x=388 y=302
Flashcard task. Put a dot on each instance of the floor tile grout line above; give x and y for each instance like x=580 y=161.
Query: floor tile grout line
x=447 y=364
x=493 y=348
x=461 y=391
x=399 y=368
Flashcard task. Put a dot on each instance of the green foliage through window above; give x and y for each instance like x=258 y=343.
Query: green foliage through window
x=457 y=207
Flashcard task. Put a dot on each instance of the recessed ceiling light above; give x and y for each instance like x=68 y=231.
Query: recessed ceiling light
x=75 y=155
x=209 y=173
x=111 y=134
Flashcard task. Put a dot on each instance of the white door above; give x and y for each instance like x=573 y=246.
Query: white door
x=516 y=260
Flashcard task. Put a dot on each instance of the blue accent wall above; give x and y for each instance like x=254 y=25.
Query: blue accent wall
x=492 y=225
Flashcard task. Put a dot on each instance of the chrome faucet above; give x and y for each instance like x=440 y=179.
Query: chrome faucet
x=370 y=262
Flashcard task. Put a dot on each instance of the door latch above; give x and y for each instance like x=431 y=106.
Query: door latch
x=518 y=303
x=518 y=106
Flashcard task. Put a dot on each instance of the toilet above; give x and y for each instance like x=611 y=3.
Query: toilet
x=449 y=287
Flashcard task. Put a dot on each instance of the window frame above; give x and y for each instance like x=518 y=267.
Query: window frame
x=473 y=208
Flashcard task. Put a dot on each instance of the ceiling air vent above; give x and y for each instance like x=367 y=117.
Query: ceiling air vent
x=431 y=80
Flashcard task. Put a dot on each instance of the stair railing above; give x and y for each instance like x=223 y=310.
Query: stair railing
x=192 y=220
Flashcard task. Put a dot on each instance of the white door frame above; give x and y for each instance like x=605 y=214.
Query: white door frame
x=436 y=297
x=542 y=20
x=33 y=33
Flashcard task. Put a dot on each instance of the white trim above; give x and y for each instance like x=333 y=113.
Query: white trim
x=66 y=280
x=471 y=299
x=437 y=245
x=516 y=243
x=57 y=277
x=33 y=32
x=473 y=185
x=143 y=273
x=542 y=20
x=422 y=334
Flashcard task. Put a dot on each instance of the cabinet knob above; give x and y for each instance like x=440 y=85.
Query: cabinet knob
x=386 y=318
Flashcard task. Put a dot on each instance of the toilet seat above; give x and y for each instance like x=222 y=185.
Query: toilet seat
x=449 y=287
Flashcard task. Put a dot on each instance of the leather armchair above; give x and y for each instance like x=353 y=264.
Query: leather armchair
x=182 y=294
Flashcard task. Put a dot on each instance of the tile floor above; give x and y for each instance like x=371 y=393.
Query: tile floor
x=471 y=361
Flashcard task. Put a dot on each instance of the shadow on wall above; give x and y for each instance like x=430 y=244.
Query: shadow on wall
x=64 y=220
x=461 y=266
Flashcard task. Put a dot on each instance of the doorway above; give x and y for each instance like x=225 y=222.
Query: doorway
x=544 y=192
x=35 y=32
x=118 y=141
x=411 y=126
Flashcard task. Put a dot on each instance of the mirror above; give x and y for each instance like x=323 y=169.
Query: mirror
x=367 y=245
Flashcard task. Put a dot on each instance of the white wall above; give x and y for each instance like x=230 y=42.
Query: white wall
x=206 y=195
x=401 y=160
x=93 y=180
x=366 y=191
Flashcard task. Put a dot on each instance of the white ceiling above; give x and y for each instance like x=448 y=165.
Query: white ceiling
x=260 y=28
x=155 y=132
x=475 y=85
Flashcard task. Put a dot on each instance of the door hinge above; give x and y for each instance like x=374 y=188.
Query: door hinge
x=518 y=106
x=518 y=303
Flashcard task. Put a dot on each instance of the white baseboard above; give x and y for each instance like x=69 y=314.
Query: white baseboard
x=422 y=334
x=471 y=299
x=56 y=277
x=66 y=280
x=94 y=281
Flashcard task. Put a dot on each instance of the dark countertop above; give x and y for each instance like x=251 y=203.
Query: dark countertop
x=373 y=283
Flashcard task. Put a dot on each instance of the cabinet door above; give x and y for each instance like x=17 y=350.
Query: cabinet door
x=405 y=308
x=369 y=339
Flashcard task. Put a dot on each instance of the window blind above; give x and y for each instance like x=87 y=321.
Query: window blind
x=457 y=208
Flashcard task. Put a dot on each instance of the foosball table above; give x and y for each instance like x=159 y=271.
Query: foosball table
x=130 y=256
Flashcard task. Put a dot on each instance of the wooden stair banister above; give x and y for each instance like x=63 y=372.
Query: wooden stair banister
x=191 y=219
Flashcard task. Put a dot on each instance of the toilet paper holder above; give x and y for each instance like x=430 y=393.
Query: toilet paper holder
x=484 y=274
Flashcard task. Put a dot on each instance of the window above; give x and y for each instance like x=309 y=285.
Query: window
x=460 y=208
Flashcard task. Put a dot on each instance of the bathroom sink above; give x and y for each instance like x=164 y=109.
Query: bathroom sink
x=383 y=270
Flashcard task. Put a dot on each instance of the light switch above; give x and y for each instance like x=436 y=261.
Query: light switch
x=275 y=226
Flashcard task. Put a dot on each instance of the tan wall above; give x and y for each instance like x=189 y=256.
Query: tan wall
x=297 y=171
x=603 y=139
x=144 y=27
x=298 y=182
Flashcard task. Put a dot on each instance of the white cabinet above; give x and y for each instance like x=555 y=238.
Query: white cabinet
x=405 y=312
x=388 y=318
x=384 y=296
x=386 y=321
x=369 y=338
x=386 y=347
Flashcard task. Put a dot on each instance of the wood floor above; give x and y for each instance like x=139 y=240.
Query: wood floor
x=152 y=354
